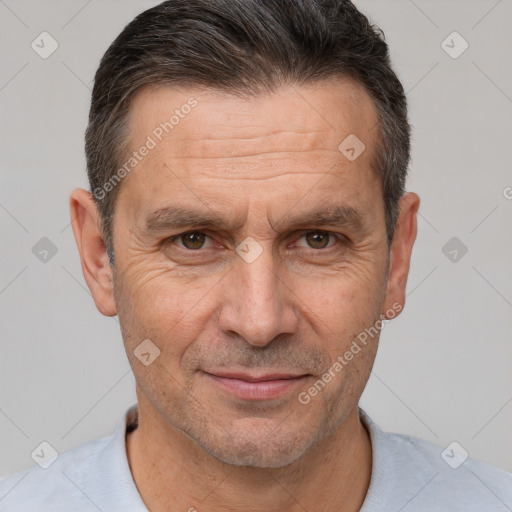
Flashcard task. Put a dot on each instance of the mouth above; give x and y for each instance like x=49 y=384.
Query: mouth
x=263 y=386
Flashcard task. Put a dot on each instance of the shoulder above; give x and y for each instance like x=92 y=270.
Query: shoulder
x=39 y=489
x=463 y=483
x=417 y=475
x=94 y=476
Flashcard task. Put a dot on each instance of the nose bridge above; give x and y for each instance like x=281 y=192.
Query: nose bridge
x=256 y=306
x=259 y=283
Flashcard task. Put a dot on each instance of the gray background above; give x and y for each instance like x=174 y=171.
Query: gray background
x=443 y=372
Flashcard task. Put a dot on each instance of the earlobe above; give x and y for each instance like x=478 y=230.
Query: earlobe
x=93 y=254
x=401 y=249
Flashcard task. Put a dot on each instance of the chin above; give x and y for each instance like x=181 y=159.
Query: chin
x=253 y=455
x=263 y=448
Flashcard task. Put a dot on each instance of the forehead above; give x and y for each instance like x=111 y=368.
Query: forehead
x=324 y=113
x=223 y=148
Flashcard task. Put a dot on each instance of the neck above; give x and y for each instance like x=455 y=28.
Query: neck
x=173 y=473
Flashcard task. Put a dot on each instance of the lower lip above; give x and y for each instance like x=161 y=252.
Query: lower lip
x=264 y=390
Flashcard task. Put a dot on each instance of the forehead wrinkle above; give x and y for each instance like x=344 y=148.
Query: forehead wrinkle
x=231 y=148
x=264 y=155
x=259 y=167
x=254 y=137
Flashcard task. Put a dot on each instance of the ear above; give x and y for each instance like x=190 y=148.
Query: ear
x=400 y=254
x=93 y=254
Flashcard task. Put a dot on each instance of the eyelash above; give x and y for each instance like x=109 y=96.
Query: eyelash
x=338 y=236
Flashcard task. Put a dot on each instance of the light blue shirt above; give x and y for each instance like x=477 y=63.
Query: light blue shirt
x=408 y=474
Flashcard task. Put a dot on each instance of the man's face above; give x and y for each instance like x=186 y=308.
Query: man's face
x=289 y=301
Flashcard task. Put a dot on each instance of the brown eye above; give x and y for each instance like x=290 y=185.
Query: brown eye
x=194 y=240
x=318 y=239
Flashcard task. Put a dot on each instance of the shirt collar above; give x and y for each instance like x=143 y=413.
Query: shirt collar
x=109 y=481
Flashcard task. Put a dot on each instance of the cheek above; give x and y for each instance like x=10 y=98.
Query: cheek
x=341 y=305
x=343 y=319
x=154 y=305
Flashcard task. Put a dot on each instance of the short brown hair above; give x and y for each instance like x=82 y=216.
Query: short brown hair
x=249 y=47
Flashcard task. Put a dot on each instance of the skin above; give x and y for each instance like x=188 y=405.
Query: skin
x=257 y=163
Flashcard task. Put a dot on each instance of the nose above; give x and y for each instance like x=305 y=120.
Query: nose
x=257 y=304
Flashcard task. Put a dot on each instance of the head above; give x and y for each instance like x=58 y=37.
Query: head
x=247 y=162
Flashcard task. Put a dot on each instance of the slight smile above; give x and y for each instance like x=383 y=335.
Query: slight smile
x=256 y=387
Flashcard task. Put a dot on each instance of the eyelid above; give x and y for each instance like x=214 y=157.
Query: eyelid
x=337 y=236
x=176 y=238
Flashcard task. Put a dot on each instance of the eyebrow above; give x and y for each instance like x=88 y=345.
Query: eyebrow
x=176 y=217
x=335 y=215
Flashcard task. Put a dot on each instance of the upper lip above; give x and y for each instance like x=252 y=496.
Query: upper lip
x=256 y=378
